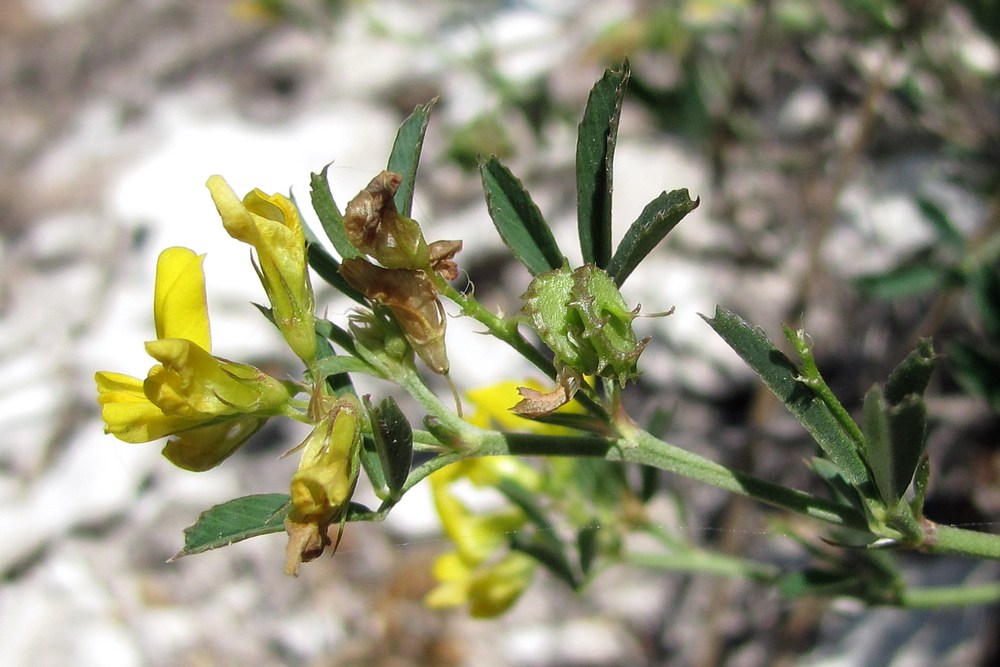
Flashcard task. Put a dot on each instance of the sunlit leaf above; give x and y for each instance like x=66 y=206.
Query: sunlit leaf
x=518 y=220
x=595 y=150
x=330 y=216
x=946 y=230
x=780 y=375
x=234 y=521
x=405 y=155
x=656 y=220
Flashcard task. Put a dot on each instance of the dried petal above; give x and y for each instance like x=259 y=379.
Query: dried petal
x=413 y=300
x=376 y=228
x=442 y=255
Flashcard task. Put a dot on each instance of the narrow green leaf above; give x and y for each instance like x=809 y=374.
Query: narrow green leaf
x=518 y=220
x=649 y=482
x=977 y=370
x=340 y=383
x=905 y=280
x=820 y=583
x=656 y=220
x=575 y=420
x=921 y=480
x=393 y=438
x=331 y=331
x=330 y=216
x=878 y=445
x=595 y=150
x=586 y=544
x=780 y=375
x=328 y=269
x=235 y=521
x=908 y=433
x=912 y=374
x=830 y=474
x=946 y=230
x=528 y=503
x=372 y=464
x=984 y=284
x=405 y=154
x=550 y=555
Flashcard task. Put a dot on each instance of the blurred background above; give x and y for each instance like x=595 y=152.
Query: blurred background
x=847 y=157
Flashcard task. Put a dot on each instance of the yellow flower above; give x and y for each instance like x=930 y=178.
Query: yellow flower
x=210 y=404
x=323 y=485
x=479 y=572
x=272 y=225
x=488 y=589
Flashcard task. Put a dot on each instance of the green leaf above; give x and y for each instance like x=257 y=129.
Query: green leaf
x=984 y=283
x=878 y=445
x=575 y=420
x=595 y=150
x=586 y=544
x=656 y=220
x=906 y=280
x=912 y=374
x=947 y=232
x=978 y=371
x=550 y=554
x=908 y=431
x=339 y=383
x=528 y=503
x=830 y=474
x=372 y=464
x=330 y=216
x=328 y=268
x=921 y=480
x=405 y=154
x=235 y=521
x=393 y=439
x=780 y=375
x=518 y=220
x=820 y=583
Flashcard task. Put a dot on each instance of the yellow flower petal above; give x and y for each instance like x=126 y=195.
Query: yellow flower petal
x=273 y=226
x=129 y=415
x=202 y=448
x=180 y=308
x=493 y=589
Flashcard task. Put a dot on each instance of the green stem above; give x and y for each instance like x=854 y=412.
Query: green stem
x=706 y=562
x=814 y=380
x=944 y=539
x=640 y=447
x=506 y=330
x=408 y=379
x=949 y=596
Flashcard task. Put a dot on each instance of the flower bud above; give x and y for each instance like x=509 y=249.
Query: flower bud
x=321 y=488
x=272 y=225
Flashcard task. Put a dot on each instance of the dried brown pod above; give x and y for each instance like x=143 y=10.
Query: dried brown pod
x=413 y=299
x=375 y=227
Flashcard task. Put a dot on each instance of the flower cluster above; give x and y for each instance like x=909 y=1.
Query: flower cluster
x=483 y=572
x=208 y=406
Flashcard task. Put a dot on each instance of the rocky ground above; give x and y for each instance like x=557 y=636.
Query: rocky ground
x=116 y=112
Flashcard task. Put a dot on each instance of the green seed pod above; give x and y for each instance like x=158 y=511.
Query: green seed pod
x=583 y=318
